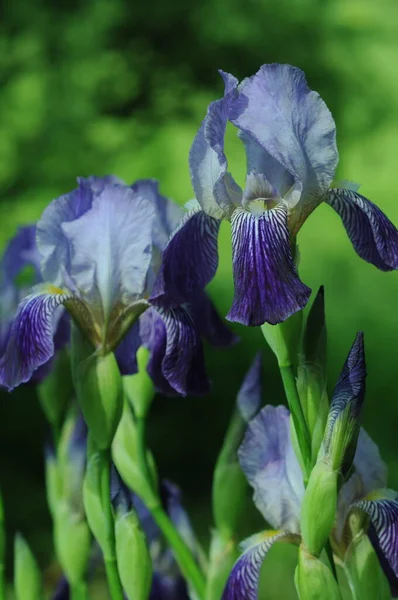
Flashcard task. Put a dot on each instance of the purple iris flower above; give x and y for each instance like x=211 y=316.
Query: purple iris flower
x=290 y=141
x=100 y=250
x=271 y=467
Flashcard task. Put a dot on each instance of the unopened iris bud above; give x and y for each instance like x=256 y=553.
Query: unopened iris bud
x=139 y=388
x=318 y=511
x=314 y=580
x=133 y=558
x=73 y=543
x=56 y=389
x=99 y=390
x=284 y=339
x=367 y=576
x=27 y=577
x=92 y=499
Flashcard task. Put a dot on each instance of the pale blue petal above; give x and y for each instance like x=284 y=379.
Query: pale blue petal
x=271 y=467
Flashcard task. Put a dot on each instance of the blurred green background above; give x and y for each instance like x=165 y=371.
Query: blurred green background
x=102 y=86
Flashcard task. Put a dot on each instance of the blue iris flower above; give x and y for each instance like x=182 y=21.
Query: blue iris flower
x=290 y=140
x=269 y=462
x=98 y=251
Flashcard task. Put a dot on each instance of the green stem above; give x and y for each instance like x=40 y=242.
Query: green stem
x=112 y=574
x=189 y=569
x=296 y=410
x=79 y=591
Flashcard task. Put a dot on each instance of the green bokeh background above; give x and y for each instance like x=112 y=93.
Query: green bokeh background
x=100 y=87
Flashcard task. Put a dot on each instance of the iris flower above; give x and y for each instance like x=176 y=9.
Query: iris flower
x=100 y=249
x=271 y=468
x=290 y=140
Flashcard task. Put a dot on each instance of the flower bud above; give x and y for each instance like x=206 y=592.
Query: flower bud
x=318 y=509
x=72 y=542
x=133 y=558
x=284 y=339
x=56 y=389
x=92 y=499
x=139 y=388
x=314 y=580
x=27 y=577
x=311 y=387
x=367 y=576
x=98 y=385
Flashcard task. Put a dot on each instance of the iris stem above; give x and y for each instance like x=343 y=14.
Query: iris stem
x=79 y=591
x=296 y=410
x=112 y=574
x=183 y=555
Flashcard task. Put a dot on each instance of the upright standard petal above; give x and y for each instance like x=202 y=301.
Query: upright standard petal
x=250 y=393
x=343 y=425
x=243 y=581
x=189 y=260
x=31 y=341
x=214 y=187
x=110 y=247
x=271 y=467
x=373 y=236
x=291 y=123
x=176 y=363
x=267 y=286
x=383 y=514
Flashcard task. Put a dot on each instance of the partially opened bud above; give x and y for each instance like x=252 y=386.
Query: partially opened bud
x=284 y=339
x=318 y=511
x=27 y=577
x=99 y=390
x=314 y=580
x=133 y=558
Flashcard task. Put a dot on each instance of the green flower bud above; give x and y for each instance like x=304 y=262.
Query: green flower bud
x=92 y=499
x=133 y=558
x=314 y=580
x=72 y=542
x=311 y=387
x=139 y=388
x=125 y=456
x=223 y=555
x=284 y=339
x=98 y=385
x=318 y=511
x=27 y=577
x=364 y=570
x=53 y=482
x=56 y=389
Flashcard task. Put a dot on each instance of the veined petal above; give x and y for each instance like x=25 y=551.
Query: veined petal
x=189 y=261
x=111 y=247
x=176 y=363
x=214 y=187
x=372 y=234
x=267 y=287
x=243 y=581
x=291 y=123
x=250 y=393
x=383 y=514
x=31 y=341
x=268 y=460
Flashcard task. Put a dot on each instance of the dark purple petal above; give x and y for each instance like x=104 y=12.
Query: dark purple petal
x=383 y=514
x=209 y=323
x=243 y=581
x=176 y=363
x=31 y=341
x=372 y=234
x=189 y=261
x=348 y=395
x=250 y=394
x=126 y=351
x=267 y=287
x=63 y=591
x=291 y=123
x=214 y=187
x=268 y=460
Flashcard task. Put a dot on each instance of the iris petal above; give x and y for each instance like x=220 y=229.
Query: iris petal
x=276 y=109
x=243 y=581
x=250 y=393
x=267 y=287
x=214 y=187
x=189 y=261
x=373 y=236
x=126 y=351
x=267 y=458
x=31 y=341
x=209 y=323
